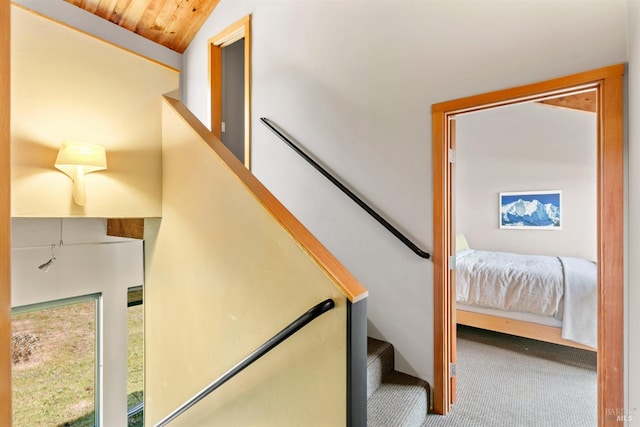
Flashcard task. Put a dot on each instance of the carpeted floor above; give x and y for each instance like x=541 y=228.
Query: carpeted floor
x=511 y=381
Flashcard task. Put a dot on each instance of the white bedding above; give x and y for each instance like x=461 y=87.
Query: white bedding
x=580 y=319
x=510 y=282
x=561 y=287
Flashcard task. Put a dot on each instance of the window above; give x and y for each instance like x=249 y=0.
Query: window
x=55 y=350
x=135 y=357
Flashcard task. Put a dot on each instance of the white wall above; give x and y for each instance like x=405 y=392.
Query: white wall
x=527 y=147
x=632 y=314
x=84 y=265
x=354 y=81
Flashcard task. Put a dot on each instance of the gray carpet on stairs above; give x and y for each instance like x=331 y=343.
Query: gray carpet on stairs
x=394 y=398
x=511 y=381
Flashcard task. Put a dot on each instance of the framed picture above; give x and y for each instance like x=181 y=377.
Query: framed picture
x=536 y=210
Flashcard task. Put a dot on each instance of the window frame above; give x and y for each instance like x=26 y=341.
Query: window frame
x=133 y=303
x=97 y=298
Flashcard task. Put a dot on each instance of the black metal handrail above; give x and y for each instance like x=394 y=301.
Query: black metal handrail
x=273 y=342
x=135 y=410
x=404 y=239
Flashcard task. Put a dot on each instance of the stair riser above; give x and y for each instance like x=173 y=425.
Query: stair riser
x=393 y=398
x=379 y=369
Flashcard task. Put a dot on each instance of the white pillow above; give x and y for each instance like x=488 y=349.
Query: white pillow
x=462 y=254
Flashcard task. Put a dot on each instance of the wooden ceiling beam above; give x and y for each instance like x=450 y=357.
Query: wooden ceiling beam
x=132 y=228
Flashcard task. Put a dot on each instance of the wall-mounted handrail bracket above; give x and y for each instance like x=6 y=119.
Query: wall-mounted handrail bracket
x=269 y=345
x=404 y=239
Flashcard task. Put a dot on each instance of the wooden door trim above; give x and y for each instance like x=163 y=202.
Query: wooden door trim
x=5 y=216
x=241 y=29
x=439 y=255
x=451 y=303
x=609 y=85
x=610 y=252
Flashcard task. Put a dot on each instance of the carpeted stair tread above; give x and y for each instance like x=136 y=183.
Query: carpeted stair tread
x=393 y=398
x=380 y=361
x=401 y=400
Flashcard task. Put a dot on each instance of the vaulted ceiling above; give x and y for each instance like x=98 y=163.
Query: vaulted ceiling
x=171 y=23
x=174 y=23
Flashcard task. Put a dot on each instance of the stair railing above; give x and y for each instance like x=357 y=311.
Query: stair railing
x=269 y=345
x=135 y=410
x=404 y=239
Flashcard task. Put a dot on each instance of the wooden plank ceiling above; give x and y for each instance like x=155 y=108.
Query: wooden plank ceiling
x=171 y=23
x=585 y=101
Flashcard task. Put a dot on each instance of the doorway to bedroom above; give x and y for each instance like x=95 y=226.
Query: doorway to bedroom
x=525 y=222
x=591 y=223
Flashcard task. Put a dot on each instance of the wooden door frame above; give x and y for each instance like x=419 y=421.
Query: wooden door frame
x=608 y=82
x=240 y=29
x=5 y=215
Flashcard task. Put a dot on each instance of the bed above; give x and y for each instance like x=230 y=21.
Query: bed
x=547 y=298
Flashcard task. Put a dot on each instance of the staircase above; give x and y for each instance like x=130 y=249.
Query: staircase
x=393 y=398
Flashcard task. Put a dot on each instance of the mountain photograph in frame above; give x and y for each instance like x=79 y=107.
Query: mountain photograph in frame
x=533 y=210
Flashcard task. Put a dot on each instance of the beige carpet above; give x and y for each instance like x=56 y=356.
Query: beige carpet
x=511 y=381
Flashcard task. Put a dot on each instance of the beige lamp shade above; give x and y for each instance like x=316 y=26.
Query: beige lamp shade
x=91 y=156
x=77 y=159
